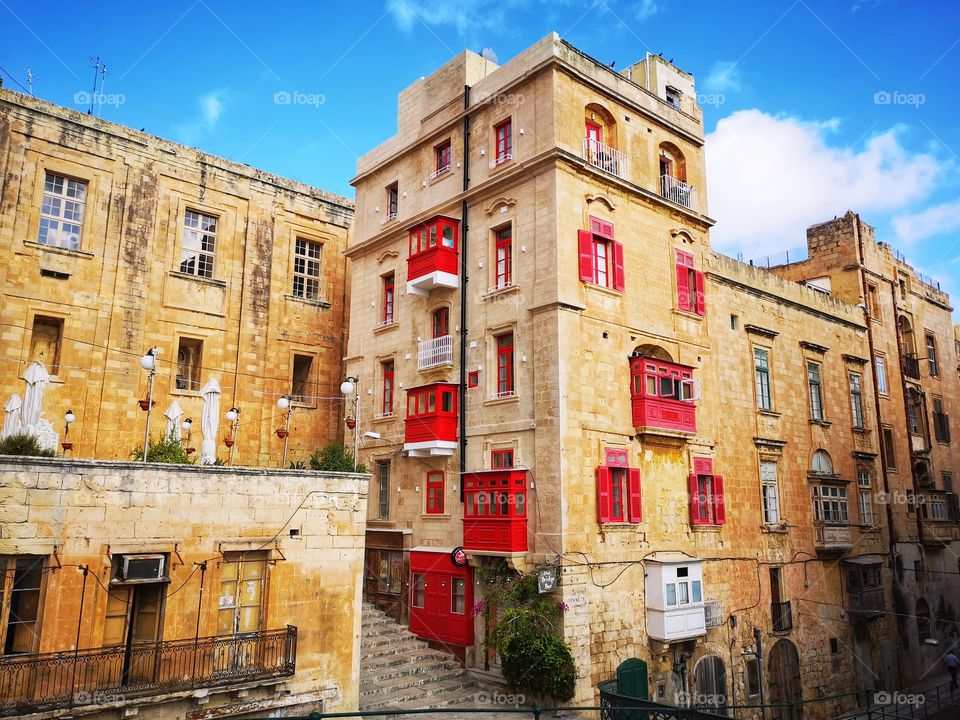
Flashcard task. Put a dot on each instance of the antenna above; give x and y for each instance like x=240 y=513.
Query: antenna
x=103 y=80
x=96 y=74
x=30 y=80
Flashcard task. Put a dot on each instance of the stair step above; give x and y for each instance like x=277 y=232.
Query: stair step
x=407 y=666
x=422 y=656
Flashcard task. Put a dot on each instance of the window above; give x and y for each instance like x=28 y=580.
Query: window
x=458 y=595
x=503 y=141
x=931 y=343
x=684 y=591
x=383 y=482
x=941 y=422
x=20 y=595
x=434 y=493
x=707 y=505
x=45 y=341
x=923 y=621
x=881 y=364
x=386 y=405
x=441 y=154
x=306 y=269
x=199 y=244
x=386 y=317
x=753 y=677
x=856 y=400
x=947 y=481
x=761 y=367
x=821 y=463
x=243 y=578
x=873 y=307
x=673 y=97
x=601 y=257
x=888 y=448
x=61 y=215
x=424 y=238
x=864 y=497
x=500 y=459
x=816 y=391
x=618 y=489
x=300 y=387
x=505 y=386
x=473 y=379
x=915 y=412
x=830 y=504
x=690 y=295
x=393 y=198
x=441 y=322
x=418 y=590
x=189 y=355
x=504 y=255
x=768 y=484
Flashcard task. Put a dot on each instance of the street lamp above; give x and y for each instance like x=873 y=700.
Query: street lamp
x=149 y=362
x=283 y=402
x=67 y=420
x=187 y=426
x=347 y=387
x=233 y=417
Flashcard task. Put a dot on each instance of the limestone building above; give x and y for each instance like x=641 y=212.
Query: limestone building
x=114 y=242
x=556 y=369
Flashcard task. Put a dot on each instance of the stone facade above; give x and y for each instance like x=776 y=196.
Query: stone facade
x=615 y=160
x=226 y=302
x=292 y=541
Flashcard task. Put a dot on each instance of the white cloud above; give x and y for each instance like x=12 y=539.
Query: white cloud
x=645 y=9
x=211 y=107
x=724 y=77
x=769 y=178
x=935 y=220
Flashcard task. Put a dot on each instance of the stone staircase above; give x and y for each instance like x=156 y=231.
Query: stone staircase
x=399 y=672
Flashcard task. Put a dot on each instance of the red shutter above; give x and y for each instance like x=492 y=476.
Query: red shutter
x=719 y=503
x=601 y=227
x=703 y=466
x=683 y=287
x=604 y=508
x=694 y=500
x=618 y=266
x=585 y=241
x=701 y=298
x=633 y=492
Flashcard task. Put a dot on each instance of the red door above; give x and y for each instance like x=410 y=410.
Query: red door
x=594 y=134
x=445 y=613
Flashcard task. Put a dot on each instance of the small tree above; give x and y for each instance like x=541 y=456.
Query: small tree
x=335 y=458
x=23 y=444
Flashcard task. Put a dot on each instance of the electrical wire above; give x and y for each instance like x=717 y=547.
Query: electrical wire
x=7 y=73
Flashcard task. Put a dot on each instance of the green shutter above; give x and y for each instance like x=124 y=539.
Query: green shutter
x=632 y=679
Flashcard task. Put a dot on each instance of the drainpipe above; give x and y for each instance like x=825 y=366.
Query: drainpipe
x=463 y=289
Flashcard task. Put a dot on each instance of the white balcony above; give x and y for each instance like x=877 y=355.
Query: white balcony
x=436 y=352
x=605 y=157
x=678 y=191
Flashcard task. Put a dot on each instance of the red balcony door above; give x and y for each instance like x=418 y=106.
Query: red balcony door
x=594 y=134
x=441 y=322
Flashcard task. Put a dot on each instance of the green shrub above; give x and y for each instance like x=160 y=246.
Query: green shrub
x=23 y=444
x=166 y=450
x=335 y=458
x=298 y=465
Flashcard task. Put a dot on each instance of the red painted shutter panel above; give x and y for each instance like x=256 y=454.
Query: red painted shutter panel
x=618 y=283
x=694 y=500
x=720 y=507
x=683 y=287
x=585 y=242
x=603 y=495
x=701 y=298
x=636 y=503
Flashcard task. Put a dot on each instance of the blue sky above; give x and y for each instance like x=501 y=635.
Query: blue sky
x=812 y=107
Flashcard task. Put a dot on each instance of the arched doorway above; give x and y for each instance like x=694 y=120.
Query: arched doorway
x=710 y=683
x=863 y=659
x=783 y=679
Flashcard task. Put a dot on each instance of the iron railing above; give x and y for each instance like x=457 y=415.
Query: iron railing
x=782 y=616
x=678 y=191
x=614 y=706
x=911 y=366
x=605 y=157
x=49 y=681
x=435 y=352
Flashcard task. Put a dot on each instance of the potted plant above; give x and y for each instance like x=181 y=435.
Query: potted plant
x=351 y=422
x=146 y=404
x=229 y=442
x=281 y=433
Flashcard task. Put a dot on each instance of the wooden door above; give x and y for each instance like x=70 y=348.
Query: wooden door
x=784 y=680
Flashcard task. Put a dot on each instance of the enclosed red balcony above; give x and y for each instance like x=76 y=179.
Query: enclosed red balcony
x=495 y=512
x=662 y=395
x=431 y=424
x=434 y=255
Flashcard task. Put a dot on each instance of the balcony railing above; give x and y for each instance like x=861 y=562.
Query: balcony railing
x=833 y=537
x=48 y=681
x=678 y=192
x=435 y=352
x=782 y=616
x=868 y=601
x=911 y=366
x=605 y=157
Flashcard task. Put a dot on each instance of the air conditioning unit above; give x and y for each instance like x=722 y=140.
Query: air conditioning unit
x=142 y=568
x=713 y=610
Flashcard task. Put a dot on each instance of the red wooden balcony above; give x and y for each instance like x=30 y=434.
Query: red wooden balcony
x=662 y=395
x=495 y=512
x=434 y=256
x=431 y=424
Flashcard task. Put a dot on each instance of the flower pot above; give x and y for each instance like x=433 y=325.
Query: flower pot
x=351 y=423
x=228 y=442
x=66 y=446
x=281 y=434
x=146 y=404
x=190 y=451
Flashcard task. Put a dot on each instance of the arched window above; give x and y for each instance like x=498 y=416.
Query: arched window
x=923 y=620
x=822 y=463
x=672 y=162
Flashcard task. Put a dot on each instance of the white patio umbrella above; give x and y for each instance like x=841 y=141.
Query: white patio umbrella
x=36 y=378
x=210 y=421
x=173 y=415
x=11 y=423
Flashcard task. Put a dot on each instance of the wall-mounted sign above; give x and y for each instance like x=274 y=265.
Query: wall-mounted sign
x=547 y=580
x=458 y=557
